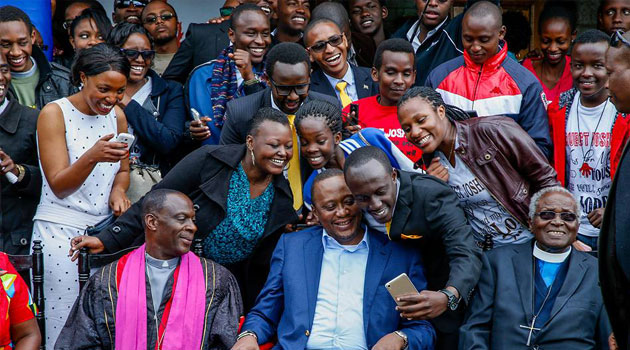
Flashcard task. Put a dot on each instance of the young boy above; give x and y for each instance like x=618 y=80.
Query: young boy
x=587 y=130
x=395 y=72
x=614 y=15
x=486 y=81
x=35 y=81
x=336 y=77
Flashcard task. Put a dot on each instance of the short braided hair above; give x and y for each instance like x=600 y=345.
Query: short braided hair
x=435 y=99
x=324 y=110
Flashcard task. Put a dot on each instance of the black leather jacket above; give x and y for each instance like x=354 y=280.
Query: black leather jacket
x=54 y=81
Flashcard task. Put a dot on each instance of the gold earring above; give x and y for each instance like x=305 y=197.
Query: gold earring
x=251 y=151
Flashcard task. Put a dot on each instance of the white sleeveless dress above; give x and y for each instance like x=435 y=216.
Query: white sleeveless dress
x=57 y=220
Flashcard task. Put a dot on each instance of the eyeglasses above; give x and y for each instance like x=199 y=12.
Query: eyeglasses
x=285 y=90
x=123 y=4
x=226 y=11
x=320 y=46
x=564 y=216
x=617 y=38
x=153 y=19
x=133 y=54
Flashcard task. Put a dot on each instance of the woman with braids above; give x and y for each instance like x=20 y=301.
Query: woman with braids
x=319 y=125
x=491 y=163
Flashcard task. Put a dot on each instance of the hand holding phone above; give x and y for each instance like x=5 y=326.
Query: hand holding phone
x=195 y=114
x=399 y=286
x=125 y=138
x=199 y=129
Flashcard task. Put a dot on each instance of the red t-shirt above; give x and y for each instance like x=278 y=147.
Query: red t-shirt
x=374 y=115
x=565 y=83
x=16 y=305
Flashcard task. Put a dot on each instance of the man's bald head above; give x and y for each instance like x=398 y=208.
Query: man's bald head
x=487 y=11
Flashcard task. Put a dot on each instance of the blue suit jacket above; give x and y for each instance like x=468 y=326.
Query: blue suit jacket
x=503 y=302
x=286 y=305
x=366 y=87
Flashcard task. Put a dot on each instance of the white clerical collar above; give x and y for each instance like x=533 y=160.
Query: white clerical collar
x=550 y=257
x=161 y=264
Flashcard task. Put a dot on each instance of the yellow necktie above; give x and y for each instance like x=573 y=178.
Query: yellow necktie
x=388 y=227
x=295 y=175
x=343 y=95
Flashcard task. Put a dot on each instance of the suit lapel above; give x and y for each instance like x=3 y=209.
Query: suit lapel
x=522 y=263
x=313 y=254
x=322 y=85
x=362 y=82
x=378 y=256
x=575 y=275
x=403 y=206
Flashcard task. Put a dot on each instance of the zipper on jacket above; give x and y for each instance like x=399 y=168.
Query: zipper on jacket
x=476 y=87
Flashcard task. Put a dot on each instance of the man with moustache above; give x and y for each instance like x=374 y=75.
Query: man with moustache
x=326 y=287
x=540 y=294
x=166 y=297
x=160 y=20
x=424 y=213
x=614 y=237
x=336 y=77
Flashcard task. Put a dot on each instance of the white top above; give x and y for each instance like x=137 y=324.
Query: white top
x=141 y=97
x=588 y=158
x=90 y=203
x=484 y=213
x=351 y=88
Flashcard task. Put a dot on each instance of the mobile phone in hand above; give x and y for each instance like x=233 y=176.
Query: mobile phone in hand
x=399 y=286
x=195 y=114
x=125 y=138
x=353 y=120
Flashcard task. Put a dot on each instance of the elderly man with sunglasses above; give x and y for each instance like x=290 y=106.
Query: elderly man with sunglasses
x=160 y=20
x=540 y=294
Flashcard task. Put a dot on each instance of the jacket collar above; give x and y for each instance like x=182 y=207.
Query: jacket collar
x=493 y=63
x=10 y=118
x=158 y=85
x=402 y=209
x=42 y=64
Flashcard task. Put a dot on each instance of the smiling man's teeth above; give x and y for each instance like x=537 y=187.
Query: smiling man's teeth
x=333 y=58
x=556 y=233
x=299 y=19
x=343 y=223
x=367 y=23
x=17 y=60
x=266 y=9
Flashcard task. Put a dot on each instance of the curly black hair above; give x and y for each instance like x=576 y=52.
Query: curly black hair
x=330 y=113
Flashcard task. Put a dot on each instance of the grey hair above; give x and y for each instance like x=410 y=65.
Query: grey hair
x=536 y=198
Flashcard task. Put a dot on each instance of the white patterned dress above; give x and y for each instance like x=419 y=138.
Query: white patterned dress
x=58 y=220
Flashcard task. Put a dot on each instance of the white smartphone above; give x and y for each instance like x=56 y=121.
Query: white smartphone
x=125 y=138
x=195 y=114
x=399 y=286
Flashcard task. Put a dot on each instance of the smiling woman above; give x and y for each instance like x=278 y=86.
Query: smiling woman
x=85 y=176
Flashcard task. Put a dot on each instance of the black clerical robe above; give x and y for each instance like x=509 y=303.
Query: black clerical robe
x=91 y=324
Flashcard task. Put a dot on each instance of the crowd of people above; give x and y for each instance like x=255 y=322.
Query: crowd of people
x=343 y=186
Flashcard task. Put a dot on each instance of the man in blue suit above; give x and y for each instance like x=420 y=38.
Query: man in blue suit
x=335 y=77
x=326 y=287
x=541 y=294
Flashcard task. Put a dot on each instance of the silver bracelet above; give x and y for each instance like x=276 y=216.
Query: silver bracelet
x=245 y=334
x=403 y=336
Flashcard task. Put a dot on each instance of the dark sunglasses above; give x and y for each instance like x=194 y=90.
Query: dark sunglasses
x=564 y=216
x=123 y=4
x=320 y=46
x=153 y=19
x=133 y=54
x=226 y=11
x=617 y=38
x=285 y=90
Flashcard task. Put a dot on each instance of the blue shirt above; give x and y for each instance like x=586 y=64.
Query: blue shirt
x=351 y=88
x=338 y=321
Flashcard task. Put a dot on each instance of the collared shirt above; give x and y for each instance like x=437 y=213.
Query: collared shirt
x=549 y=263
x=415 y=30
x=338 y=321
x=351 y=88
x=4 y=105
x=352 y=55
